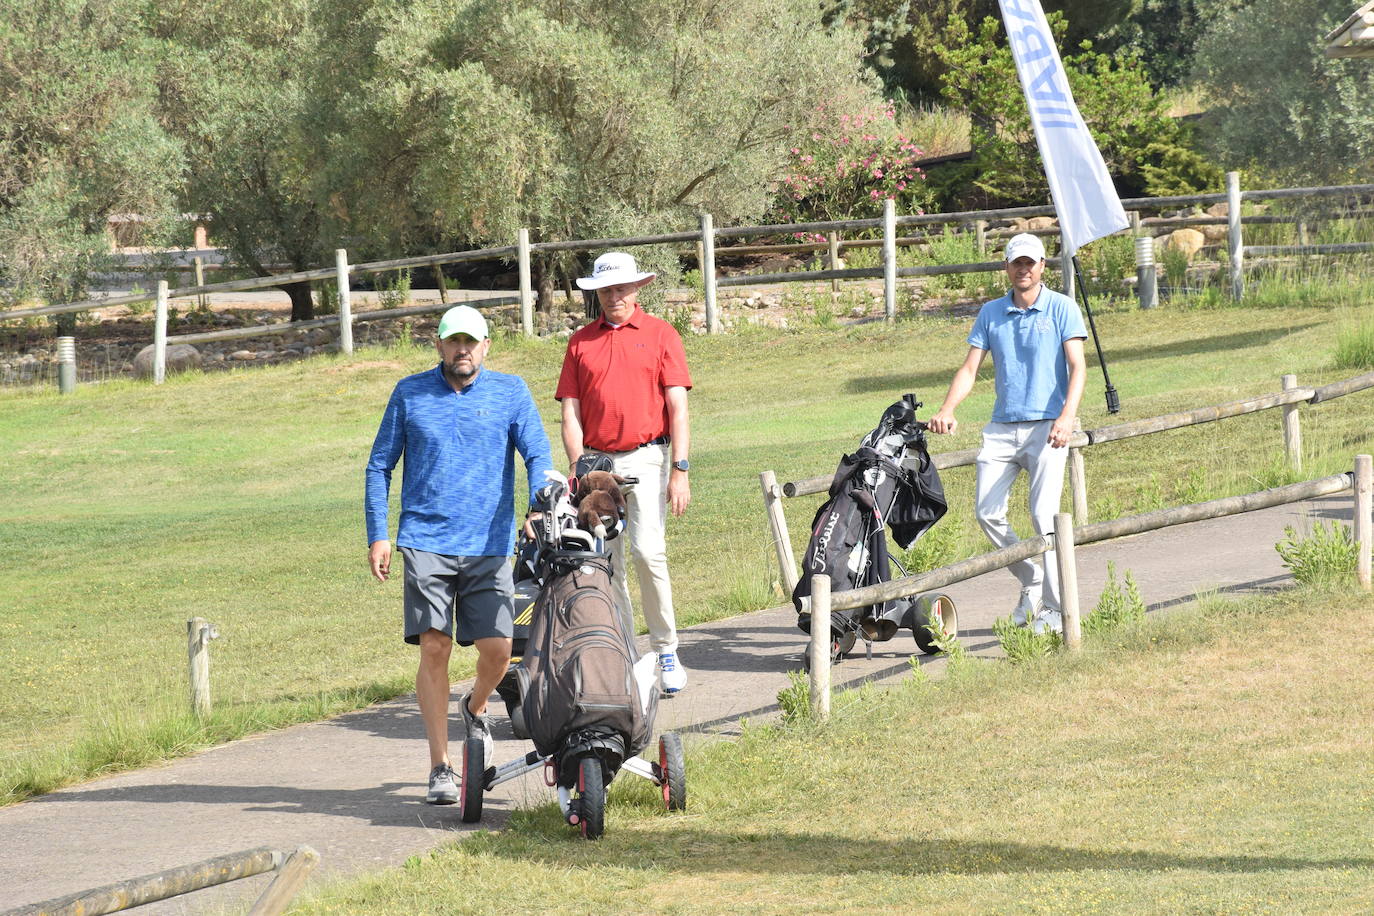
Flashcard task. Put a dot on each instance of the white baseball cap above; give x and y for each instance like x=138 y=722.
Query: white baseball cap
x=463 y=319
x=1025 y=245
x=612 y=269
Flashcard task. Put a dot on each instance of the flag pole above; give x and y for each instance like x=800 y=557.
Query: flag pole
x=1113 y=402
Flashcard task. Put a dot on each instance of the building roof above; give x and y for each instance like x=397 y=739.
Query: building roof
x=1355 y=36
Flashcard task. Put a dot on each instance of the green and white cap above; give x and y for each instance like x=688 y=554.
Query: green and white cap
x=463 y=319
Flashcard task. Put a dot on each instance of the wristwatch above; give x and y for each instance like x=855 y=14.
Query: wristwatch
x=681 y=465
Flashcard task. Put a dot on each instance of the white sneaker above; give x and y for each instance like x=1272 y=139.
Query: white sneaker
x=1027 y=609
x=1052 y=621
x=672 y=677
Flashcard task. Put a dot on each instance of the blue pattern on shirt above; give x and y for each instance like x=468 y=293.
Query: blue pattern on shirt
x=1027 y=347
x=458 y=486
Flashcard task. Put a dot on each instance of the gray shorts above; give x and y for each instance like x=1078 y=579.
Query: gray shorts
x=479 y=587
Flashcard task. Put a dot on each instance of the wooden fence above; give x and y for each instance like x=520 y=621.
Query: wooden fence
x=705 y=238
x=1064 y=540
x=291 y=872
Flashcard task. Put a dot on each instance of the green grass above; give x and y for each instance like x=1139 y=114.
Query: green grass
x=1208 y=762
x=237 y=497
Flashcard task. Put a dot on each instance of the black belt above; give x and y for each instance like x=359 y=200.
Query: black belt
x=661 y=440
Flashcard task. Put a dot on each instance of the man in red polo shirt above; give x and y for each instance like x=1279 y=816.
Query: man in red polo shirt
x=624 y=392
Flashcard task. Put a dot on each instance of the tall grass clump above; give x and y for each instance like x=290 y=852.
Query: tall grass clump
x=1120 y=604
x=1324 y=557
x=1355 y=347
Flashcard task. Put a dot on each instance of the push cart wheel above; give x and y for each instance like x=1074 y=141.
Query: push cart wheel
x=934 y=609
x=839 y=647
x=591 y=797
x=672 y=769
x=474 y=779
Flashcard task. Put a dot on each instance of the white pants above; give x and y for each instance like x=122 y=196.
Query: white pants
x=1007 y=449
x=645 y=518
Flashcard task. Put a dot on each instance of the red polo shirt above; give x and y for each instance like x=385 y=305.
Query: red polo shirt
x=618 y=376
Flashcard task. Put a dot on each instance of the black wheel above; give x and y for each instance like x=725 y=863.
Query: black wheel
x=517 y=721
x=474 y=780
x=591 y=797
x=841 y=645
x=930 y=610
x=672 y=770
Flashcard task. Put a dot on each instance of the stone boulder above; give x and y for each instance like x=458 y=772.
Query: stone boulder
x=1041 y=222
x=1188 y=241
x=180 y=357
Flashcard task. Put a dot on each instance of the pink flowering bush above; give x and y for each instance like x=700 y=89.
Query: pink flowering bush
x=848 y=167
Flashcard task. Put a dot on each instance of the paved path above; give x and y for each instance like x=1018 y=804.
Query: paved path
x=353 y=788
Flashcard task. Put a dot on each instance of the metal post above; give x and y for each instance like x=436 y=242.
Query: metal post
x=1235 y=247
x=889 y=259
x=708 y=272
x=1078 y=480
x=1364 y=508
x=1068 y=579
x=198 y=636
x=160 y=335
x=522 y=242
x=820 y=648
x=345 y=301
x=1292 y=428
x=1066 y=267
x=66 y=364
x=980 y=235
x=777 y=524
x=1146 y=277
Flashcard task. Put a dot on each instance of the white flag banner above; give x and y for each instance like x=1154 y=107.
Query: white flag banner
x=1084 y=197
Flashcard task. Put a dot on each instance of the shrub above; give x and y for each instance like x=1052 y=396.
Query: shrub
x=1355 y=347
x=1324 y=557
x=1020 y=644
x=1117 y=605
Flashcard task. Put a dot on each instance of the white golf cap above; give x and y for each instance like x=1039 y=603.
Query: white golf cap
x=1025 y=245
x=612 y=269
x=463 y=319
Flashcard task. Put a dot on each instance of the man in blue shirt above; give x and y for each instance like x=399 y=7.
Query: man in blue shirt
x=1035 y=336
x=458 y=426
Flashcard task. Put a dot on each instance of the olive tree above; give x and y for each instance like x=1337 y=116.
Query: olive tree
x=459 y=122
x=79 y=142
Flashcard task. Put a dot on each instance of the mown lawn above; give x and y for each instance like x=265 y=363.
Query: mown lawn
x=237 y=498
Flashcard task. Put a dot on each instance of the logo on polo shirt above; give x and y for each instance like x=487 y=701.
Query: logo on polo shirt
x=1043 y=325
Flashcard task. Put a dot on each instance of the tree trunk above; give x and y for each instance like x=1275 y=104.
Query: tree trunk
x=302 y=303
x=545 y=281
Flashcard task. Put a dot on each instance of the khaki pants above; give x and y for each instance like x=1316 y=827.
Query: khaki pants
x=645 y=517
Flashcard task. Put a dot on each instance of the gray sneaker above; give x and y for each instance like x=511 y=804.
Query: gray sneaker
x=443 y=786
x=1027 y=609
x=478 y=727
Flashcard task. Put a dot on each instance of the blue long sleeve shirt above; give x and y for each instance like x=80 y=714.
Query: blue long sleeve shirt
x=458 y=486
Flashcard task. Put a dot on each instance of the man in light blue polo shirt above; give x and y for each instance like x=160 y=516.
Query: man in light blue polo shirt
x=458 y=426
x=1035 y=336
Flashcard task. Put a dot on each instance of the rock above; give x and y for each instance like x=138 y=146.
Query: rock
x=1188 y=241
x=1041 y=222
x=180 y=358
x=242 y=355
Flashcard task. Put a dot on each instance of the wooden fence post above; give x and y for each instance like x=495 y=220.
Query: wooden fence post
x=708 y=272
x=980 y=236
x=889 y=259
x=199 y=263
x=1078 y=480
x=1234 y=243
x=160 y=335
x=834 y=239
x=777 y=524
x=1364 y=507
x=198 y=636
x=345 y=301
x=820 y=648
x=1067 y=562
x=522 y=256
x=1292 y=428
x=287 y=882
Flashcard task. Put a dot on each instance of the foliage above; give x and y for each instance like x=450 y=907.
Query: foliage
x=1117 y=606
x=79 y=141
x=1324 y=557
x=1112 y=92
x=795 y=699
x=393 y=290
x=464 y=121
x=1021 y=644
x=1105 y=263
x=1355 y=346
x=1279 y=106
x=848 y=166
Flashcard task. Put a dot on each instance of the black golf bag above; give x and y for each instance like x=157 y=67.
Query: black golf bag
x=889 y=482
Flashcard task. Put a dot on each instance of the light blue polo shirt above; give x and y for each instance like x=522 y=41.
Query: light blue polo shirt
x=1027 y=347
